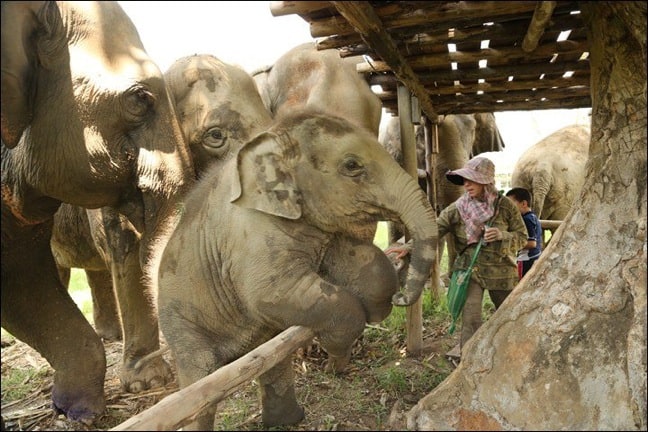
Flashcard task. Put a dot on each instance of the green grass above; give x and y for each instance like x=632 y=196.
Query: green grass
x=80 y=292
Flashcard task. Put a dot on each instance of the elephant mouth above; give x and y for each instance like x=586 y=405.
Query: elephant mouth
x=132 y=207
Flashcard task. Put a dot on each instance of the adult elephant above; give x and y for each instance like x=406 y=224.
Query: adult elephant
x=460 y=137
x=295 y=201
x=219 y=109
x=553 y=170
x=87 y=120
x=305 y=77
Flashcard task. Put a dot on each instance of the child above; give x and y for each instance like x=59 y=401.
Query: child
x=531 y=251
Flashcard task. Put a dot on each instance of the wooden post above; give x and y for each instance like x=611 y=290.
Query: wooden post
x=414 y=312
x=183 y=406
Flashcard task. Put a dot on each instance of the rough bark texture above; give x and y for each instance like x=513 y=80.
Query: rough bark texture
x=567 y=350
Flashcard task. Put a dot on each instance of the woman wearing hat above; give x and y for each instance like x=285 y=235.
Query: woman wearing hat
x=465 y=219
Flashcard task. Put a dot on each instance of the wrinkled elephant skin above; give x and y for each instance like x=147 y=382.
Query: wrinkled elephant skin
x=219 y=109
x=87 y=120
x=269 y=240
x=553 y=170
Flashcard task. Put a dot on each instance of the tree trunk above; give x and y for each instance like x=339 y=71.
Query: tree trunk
x=567 y=350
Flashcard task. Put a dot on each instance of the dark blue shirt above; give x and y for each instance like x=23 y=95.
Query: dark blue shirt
x=535 y=233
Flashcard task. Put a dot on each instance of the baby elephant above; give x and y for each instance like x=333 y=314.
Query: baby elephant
x=274 y=238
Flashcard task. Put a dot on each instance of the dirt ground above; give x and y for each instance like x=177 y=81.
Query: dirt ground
x=374 y=394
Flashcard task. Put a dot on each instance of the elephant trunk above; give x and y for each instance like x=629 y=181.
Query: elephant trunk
x=418 y=217
x=165 y=175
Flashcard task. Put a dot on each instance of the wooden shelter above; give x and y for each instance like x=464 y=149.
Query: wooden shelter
x=460 y=56
x=425 y=59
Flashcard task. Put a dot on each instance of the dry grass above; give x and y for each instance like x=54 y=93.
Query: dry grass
x=380 y=386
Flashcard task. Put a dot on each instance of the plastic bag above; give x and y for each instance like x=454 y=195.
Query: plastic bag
x=457 y=293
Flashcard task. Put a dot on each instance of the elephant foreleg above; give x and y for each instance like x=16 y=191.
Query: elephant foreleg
x=136 y=298
x=104 y=305
x=277 y=394
x=37 y=309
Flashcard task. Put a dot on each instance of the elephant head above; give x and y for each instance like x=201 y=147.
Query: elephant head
x=86 y=120
x=350 y=183
x=218 y=106
x=87 y=113
x=319 y=79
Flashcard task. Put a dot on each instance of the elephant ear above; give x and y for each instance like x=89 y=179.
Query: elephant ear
x=265 y=179
x=30 y=31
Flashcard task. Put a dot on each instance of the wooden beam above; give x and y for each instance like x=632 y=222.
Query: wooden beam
x=363 y=18
x=539 y=22
x=181 y=407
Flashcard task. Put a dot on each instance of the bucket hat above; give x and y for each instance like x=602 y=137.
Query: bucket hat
x=478 y=169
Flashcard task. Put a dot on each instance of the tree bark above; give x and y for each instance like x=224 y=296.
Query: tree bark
x=567 y=350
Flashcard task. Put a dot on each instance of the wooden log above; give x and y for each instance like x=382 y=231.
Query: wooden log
x=183 y=406
x=282 y=8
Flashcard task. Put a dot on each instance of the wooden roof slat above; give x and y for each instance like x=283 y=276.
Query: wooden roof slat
x=442 y=60
x=455 y=14
x=422 y=35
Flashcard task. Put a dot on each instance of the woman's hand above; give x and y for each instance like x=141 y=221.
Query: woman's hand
x=492 y=234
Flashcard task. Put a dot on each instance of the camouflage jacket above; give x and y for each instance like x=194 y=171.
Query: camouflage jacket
x=495 y=267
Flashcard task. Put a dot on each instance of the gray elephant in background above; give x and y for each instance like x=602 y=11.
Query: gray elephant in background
x=306 y=77
x=86 y=120
x=553 y=170
x=219 y=109
x=274 y=237
x=460 y=137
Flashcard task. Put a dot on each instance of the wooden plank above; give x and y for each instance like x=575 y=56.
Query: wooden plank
x=181 y=407
x=361 y=15
x=539 y=22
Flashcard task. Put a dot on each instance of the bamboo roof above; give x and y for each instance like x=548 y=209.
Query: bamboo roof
x=459 y=57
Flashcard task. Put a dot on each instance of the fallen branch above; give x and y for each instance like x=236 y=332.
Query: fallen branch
x=183 y=406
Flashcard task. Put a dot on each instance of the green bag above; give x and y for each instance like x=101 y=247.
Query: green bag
x=458 y=289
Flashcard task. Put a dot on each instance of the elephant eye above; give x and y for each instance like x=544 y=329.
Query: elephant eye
x=352 y=167
x=138 y=101
x=214 y=138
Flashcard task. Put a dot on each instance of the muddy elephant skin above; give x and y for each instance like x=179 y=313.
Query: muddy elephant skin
x=219 y=109
x=553 y=170
x=87 y=120
x=270 y=239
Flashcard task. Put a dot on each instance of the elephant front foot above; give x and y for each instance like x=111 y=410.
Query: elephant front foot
x=148 y=372
x=108 y=330
x=82 y=405
x=337 y=364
